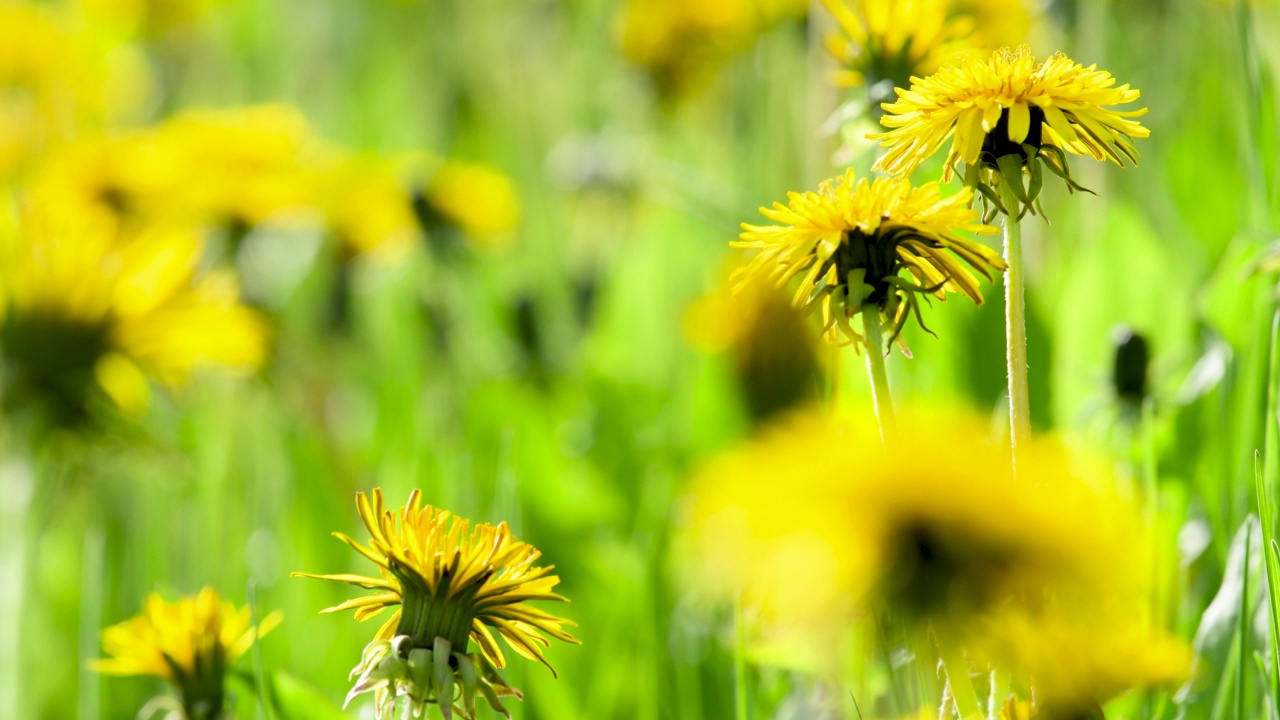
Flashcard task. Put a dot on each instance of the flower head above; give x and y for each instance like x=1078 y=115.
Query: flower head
x=85 y=306
x=1004 y=114
x=1041 y=575
x=471 y=198
x=883 y=43
x=192 y=643
x=853 y=238
x=451 y=583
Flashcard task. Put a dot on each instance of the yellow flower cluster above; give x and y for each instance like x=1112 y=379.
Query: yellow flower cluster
x=1041 y=576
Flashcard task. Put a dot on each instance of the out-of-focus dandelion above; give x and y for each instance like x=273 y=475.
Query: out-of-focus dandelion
x=882 y=44
x=473 y=199
x=192 y=643
x=773 y=349
x=367 y=205
x=451 y=583
x=1010 y=118
x=1011 y=574
x=83 y=307
x=853 y=239
x=683 y=42
x=52 y=83
x=146 y=18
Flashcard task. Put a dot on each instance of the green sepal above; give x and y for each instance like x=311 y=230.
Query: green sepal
x=440 y=653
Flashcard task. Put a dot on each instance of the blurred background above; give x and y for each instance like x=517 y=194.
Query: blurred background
x=503 y=283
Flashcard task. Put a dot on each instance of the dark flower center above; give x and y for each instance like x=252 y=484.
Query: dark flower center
x=877 y=253
x=997 y=143
x=935 y=572
x=49 y=362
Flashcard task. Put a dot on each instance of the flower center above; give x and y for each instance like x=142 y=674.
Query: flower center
x=934 y=572
x=997 y=143
x=51 y=361
x=876 y=253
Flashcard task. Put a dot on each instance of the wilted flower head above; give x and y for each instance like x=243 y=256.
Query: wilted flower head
x=192 y=643
x=83 y=306
x=1009 y=117
x=1041 y=575
x=852 y=240
x=452 y=584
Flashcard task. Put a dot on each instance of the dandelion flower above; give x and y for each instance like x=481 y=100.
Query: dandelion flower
x=853 y=238
x=474 y=199
x=1041 y=575
x=451 y=584
x=192 y=643
x=1003 y=114
x=83 y=306
x=883 y=43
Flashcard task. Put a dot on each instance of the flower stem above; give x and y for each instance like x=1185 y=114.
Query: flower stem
x=879 y=378
x=1016 y=337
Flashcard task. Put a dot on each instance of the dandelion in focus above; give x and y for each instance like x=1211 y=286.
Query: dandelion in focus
x=84 y=307
x=853 y=239
x=191 y=643
x=1041 y=576
x=452 y=584
x=1008 y=117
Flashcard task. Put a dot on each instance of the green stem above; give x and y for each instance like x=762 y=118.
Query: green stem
x=1016 y=337
x=957 y=671
x=879 y=378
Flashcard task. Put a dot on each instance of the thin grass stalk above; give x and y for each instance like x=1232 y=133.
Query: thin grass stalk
x=874 y=337
x=962 y=692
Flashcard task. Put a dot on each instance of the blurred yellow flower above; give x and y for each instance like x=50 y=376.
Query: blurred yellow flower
x=149 y=18
x=82 y=305
x=451 y=583
x=681 y=42
x=893 y=40
x=855 y=237
x=1004 y=113
x=476 y=199
x=773 y=349
x=1041 y=576
x=52 y=82
x=367 y=204
x=192 y=643
x=245 y=165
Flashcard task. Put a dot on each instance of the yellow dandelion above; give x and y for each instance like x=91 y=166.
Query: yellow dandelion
x=773 y=348
x=682 y=42
x=192 y=643
x=252 y=164
x=451 y=583
x=367 y=205
x=1041 y=575
x=882 y=44
x=853 y=238
x=83 y=306
x=1004 y=113
x=475 y=199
